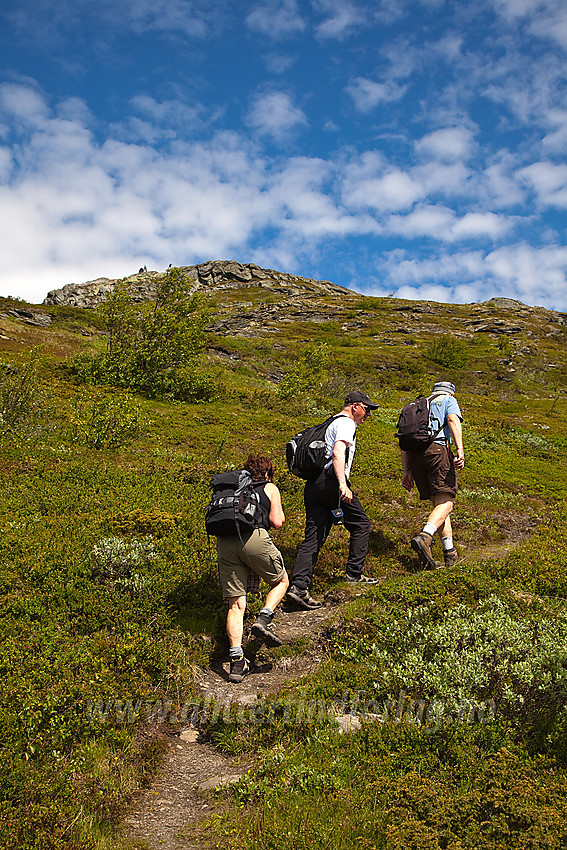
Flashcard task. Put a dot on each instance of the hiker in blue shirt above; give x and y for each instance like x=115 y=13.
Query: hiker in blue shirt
x=433 y=472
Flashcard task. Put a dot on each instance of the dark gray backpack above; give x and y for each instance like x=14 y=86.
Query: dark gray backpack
x=235 y=507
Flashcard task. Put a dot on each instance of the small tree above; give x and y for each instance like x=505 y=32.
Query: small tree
x=19 y=392
x=449 y=351
x=153 y=348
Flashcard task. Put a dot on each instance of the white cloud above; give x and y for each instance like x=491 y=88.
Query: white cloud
x=276 y=19
x=22 y=103
x=273 y=114
x=447 y=144
x=395 y=190
x=435 y=222
x=445 y=179
x=475 y=225
x=341 y=17
x=545 y=18
x=556 y=139
x=536 y=276
x=367 y=94
x=46 y=23
x=370 y=182
x=549 y=181
x=442 y=224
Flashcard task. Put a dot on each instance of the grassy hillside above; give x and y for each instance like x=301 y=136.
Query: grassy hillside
x=109 y=588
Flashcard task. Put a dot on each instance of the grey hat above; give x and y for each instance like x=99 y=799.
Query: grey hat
x=360 y=398
x=444 y=387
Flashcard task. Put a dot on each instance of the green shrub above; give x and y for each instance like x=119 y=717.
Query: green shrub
x=150 y=523
x=20 y=392
x=308 y=374
x=107 y=422
x=465 y=657
x=154 y=348
x=118 y=562
x=449 y=351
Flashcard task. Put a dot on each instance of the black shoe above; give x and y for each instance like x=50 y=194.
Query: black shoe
x=302 y=598
x=422 y=544
x=361 y=579
x=239 y=668
x=264 y=631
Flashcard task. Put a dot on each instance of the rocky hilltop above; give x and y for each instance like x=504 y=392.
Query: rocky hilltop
x=213 y=275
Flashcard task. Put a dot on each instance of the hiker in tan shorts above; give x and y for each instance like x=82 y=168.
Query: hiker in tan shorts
x=434 y=473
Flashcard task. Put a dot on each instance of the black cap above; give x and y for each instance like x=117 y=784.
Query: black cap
x=361 y=398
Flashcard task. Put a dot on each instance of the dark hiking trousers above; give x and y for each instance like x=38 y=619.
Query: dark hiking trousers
x=320 y=496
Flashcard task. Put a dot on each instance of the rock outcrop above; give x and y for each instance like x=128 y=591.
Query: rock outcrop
x=213 y=275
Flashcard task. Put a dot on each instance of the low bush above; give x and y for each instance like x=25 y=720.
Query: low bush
x=20 y=392
x=106 y=422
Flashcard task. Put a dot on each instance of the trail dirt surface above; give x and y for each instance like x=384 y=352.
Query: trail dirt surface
x=193 y=767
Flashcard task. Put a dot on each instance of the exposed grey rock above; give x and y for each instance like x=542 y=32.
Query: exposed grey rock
x=219 y=781
x=31 y=317
x=212 y=275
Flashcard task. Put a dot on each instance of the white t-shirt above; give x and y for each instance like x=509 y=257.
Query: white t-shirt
x=342 y=428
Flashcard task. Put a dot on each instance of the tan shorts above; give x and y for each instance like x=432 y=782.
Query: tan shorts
x=257 y=553
x=433 y=471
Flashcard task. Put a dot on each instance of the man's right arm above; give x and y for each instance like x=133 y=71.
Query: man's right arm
x=407 y=477
x=339 y=455
x=456 y=429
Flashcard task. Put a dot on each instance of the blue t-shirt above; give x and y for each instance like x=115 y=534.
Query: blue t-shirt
x=439 y=409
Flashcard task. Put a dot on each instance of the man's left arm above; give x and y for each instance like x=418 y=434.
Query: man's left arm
x=456 y=429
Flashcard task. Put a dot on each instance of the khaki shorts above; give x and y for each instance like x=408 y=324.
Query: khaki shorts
x=257 y=553
x=433 y=471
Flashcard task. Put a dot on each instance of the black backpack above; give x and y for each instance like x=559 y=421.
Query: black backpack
x=235 y=507
x=414 y=433
x=306 y=452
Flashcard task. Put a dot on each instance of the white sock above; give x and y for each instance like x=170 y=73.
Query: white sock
x=447 y=543
x=430 y=528
x=267 y=610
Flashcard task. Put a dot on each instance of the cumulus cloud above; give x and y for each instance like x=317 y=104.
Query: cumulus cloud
x=367 y=94
x=340 y=18
x=273 y=114
x=444 y=225
x=447 y=144
x=276 y=19
x=544 y=18
x=46 y=23
x=549 y=181
x=520 y=271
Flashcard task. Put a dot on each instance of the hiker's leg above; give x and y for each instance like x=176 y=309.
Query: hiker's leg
x=266 y=560
x=440 y=515
x=357 y=524
x=235 y=620
x=277 y=593
x=318 y=523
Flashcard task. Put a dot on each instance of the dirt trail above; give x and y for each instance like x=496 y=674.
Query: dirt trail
x=177 y=797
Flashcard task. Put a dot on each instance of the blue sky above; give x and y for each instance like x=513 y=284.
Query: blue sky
x=406 y=147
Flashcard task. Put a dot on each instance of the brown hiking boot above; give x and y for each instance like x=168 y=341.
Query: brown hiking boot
x=451 y=556
x=422 y=544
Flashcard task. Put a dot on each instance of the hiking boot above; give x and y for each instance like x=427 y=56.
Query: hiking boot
x=239 y=668
x=451 y=556
x=361 y=579
x=422 y=544
x=302 y=598
x=264 y=631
